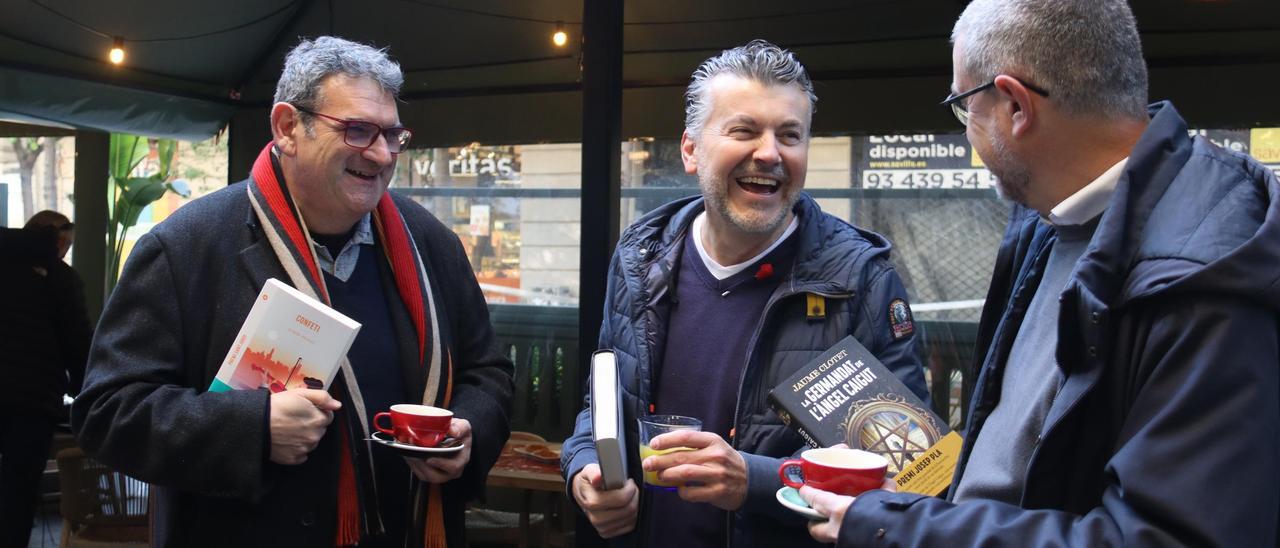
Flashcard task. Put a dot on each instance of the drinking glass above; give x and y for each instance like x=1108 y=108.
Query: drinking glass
x=657 y=425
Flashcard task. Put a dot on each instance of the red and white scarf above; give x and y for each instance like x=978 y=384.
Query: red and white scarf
x=286 y=230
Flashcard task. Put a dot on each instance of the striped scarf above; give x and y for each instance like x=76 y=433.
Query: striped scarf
x=358 y=513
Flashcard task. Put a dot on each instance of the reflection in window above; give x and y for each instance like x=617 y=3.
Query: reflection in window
x=515 y=209
x=931 y=196
x=927 y=193
x=36 y=173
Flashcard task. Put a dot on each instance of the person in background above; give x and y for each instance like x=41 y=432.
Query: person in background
x=44 y=341
x=747 y=261
x=296 y=468
x=1128 y=377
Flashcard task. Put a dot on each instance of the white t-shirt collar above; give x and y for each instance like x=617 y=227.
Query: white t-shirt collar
x=722 y=272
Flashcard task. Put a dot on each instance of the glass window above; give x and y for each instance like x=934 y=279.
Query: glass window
x=197 y=169
x=516 y=209
x=36 y=173
x=931 y=195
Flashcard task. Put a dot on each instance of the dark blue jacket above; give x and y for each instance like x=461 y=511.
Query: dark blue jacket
x=1164 y=432
x=848 y=266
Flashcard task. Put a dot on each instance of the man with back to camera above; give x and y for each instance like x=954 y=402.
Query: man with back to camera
x=294 y=468
x=44 y=339
x=745 y=261
x=1128 y=347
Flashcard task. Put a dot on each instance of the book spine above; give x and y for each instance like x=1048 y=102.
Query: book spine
x=807 y=438
x=240 y=344
x=794 y=424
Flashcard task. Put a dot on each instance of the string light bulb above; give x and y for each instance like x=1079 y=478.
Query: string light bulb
x=560 y=38
x=117 y=51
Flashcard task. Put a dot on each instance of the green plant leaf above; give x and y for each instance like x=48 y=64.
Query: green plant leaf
x=126 y=152
x=139 y=192
x=166 y=148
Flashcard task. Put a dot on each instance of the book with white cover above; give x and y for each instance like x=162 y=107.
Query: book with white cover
x=289 y=340
x=606 y=420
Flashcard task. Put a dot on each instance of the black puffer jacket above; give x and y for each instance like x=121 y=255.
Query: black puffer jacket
x=846 y=265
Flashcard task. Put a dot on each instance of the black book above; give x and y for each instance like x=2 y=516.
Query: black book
x=847 y=396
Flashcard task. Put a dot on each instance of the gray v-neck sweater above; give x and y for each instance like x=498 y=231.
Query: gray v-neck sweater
x=997 y=466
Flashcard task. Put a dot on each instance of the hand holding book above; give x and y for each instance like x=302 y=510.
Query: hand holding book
x=298 y=420
x=846 y=395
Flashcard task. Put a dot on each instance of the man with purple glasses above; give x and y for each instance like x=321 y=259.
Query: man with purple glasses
x=295 y=468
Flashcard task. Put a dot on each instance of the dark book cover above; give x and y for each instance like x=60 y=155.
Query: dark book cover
x=847 y=396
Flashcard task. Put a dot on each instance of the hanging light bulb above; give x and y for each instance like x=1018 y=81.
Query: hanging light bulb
x=117 y=51
x=560 y=38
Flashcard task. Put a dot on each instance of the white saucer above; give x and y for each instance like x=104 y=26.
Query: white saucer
x=789 y=497
x=412 y=450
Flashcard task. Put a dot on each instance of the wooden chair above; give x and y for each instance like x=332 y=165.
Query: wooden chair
x=100 y=507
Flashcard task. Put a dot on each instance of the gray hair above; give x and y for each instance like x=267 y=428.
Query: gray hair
x=760 y=61
x=311 y=61
x=1086 y=53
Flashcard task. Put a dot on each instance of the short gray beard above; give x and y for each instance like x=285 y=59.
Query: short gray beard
x=716 y=195
x=1012 y=177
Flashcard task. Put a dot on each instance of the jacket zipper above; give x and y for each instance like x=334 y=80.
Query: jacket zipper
x=742 y=377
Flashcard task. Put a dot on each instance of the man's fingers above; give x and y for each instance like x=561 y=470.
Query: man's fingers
x=823 y=502
x=610 y=520
x=692 y=439
x=811 y=496
x=591 y=475
x=459 y=428
x=319 y=398
x=696 y=492
x=624 y=523
x=601 y=500
x=672 y=459
x=687 y=473
x=823 y=531
x=428 y=471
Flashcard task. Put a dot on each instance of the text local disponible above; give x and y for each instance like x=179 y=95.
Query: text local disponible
x=848 y=377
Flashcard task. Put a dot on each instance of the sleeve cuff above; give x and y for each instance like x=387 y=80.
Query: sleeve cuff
x=873 y=517
x=575 y=463
x=762 y=482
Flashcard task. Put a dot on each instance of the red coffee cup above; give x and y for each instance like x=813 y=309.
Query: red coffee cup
x=421 y=425
x=838 y=470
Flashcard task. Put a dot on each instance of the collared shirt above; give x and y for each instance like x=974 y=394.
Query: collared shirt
x=1090 y=201
x=342 y=267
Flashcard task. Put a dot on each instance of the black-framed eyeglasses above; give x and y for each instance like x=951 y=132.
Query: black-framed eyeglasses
x=961 y=110
x=361 y=134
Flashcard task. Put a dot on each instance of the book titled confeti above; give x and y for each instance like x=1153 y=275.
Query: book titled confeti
x=288 y=340
x=847 y=396
x=606 y=419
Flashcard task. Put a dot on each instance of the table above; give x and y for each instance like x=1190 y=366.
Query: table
x=520 y=472
x=516 y=471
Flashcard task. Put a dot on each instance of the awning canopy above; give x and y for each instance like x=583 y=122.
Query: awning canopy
x=191 y=65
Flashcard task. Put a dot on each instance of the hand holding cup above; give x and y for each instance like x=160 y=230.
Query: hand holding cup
x=838 y=470
x=420 y=425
